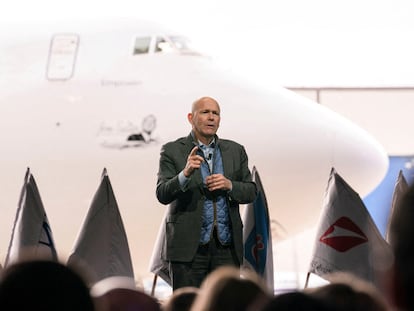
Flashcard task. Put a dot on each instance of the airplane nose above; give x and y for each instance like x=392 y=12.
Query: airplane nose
x=295 y=144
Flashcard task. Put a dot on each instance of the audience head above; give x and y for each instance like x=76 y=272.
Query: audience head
x=120 y=293
x=401 y=284
x=126 y=299
x=298 y=301
x=43 y=285
x=181 y=299
x=225 y=289
x=348 y=292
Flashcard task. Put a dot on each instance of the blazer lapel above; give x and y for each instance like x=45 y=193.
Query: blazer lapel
x=226 y=157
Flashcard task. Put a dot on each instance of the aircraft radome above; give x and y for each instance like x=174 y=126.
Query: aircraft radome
x=72 y=95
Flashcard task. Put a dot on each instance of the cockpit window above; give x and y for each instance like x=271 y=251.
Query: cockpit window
x=180 y=43
x=162 y=45
x=183 y=45
x=142 y=45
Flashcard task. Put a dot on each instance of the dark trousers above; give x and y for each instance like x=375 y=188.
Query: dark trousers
x=208 y=257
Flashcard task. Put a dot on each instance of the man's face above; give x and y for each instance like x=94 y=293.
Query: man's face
x=205 y=119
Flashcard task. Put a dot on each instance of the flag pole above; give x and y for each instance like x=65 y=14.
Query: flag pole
x=154 y=283
x=307 y=280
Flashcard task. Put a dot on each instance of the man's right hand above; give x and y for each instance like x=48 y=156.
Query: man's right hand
x=193 y=162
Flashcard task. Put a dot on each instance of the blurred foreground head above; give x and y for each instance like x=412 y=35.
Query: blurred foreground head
x=297 y=301
x=43 y=285
x=349 y=292
x=225 y=289
x=402 y=243
x=126 y=299
x=181 y=299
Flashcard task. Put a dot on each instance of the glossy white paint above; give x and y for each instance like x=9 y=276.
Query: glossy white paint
x=67 y=131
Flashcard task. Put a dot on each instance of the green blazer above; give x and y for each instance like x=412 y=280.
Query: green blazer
x=183 y=220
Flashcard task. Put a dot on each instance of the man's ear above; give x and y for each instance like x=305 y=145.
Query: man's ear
x=190 y=117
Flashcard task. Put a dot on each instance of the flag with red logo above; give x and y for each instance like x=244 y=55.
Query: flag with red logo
x=257 y=236
x=347 y=239
x=400 y=188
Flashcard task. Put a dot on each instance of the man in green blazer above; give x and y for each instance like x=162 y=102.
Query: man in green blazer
x=203 y=179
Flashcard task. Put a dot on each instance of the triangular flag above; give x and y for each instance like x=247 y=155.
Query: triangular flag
x=400 y=188
x=102 y=245
x=257 y=235
x=347 y=239
x=31 y=236
x=158 y=265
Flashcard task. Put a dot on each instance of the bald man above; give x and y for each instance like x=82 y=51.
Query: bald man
x=203 y=179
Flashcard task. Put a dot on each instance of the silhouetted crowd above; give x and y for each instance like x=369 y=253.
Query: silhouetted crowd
x=47 y=285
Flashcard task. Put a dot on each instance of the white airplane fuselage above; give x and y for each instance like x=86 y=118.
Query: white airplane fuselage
x=67 y=130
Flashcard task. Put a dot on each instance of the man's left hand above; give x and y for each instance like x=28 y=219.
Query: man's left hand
x=218 y=182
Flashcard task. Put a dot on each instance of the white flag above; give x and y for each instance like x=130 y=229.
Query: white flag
x=257 y=235
x=347 y=239
x=31 y=236
x=158 y=265
x=102 y=245
x=400 y=188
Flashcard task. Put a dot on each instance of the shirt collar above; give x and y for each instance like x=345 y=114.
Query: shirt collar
x=212 y=144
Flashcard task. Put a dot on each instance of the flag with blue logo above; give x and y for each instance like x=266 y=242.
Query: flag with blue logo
x=31 y=235
x=257 y=235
